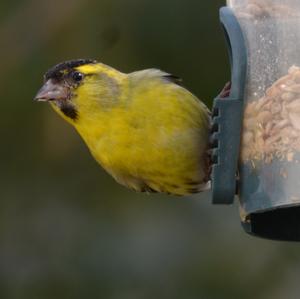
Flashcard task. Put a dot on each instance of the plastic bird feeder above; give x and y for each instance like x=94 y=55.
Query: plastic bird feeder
x=256 y=129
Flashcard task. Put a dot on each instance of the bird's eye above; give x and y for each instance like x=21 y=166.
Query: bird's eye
x=77 y=77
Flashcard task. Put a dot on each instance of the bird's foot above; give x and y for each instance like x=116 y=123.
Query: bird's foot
x=226 y=90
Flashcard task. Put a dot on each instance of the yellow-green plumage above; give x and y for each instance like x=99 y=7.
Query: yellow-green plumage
x=149 y=133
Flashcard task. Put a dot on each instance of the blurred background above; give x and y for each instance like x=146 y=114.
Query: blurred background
x=67 y=230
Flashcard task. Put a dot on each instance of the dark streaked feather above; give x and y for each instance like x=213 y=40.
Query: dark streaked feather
x=173 y=79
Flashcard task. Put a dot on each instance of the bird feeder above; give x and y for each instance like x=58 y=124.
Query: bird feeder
x=256 y=129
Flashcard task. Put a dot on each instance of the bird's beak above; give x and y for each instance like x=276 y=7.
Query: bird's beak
x=52 y=91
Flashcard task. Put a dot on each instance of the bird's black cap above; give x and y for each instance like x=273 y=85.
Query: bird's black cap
x=56 y=71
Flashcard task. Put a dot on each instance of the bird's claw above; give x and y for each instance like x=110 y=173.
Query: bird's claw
x=226 y=90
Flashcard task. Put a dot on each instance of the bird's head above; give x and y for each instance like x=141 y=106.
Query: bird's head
x=78 y=87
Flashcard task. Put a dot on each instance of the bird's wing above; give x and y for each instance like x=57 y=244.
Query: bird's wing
x=153 y=74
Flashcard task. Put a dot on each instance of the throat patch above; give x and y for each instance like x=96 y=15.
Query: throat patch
x=68 y=110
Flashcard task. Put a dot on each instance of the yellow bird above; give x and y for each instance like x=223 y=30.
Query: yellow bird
x=144 y=128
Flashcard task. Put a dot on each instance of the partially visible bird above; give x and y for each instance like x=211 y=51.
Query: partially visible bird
x=144 y=128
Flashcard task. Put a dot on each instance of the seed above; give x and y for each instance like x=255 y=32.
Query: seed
x=250 y=109
x=248 y=137
x=274 y=92
x=282 y=81
x=273 y=139
x=264 y=116
x=294 y=133
x=285 y=139
x=295 y=120
x=244 y=15
x=254 y=9
x=294 y=106
x=250 y=123
x=275 y=108
x=287 y=96
x=293 y=69
x=290 y=156
x=284 y=112
x=260 y=103
x=269 y=127
x=293 y=88
x=296 y=76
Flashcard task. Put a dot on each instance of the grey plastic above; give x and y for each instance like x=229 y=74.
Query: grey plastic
x=227 y=115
